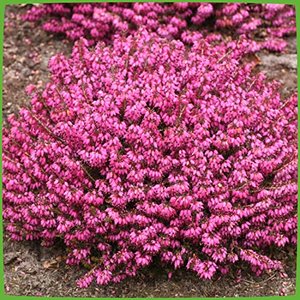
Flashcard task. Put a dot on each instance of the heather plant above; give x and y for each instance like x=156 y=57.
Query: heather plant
x=148 y=150
x=266 y=23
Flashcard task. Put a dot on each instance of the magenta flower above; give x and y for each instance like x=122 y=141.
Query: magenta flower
x=146 y=148
x=184 y=21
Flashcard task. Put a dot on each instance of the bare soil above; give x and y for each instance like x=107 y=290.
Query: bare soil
x=33 y=270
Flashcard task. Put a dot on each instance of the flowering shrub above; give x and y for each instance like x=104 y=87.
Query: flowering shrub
x=146 y=149
x=267 y=23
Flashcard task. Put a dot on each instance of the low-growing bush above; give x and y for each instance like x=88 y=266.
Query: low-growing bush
x=147 y=149
x=266 y=23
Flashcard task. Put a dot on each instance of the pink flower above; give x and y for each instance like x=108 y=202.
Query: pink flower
x=146 y=149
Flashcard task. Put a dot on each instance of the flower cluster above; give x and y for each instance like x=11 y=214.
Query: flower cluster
x=185 y=21
x=147 y=149
x=265 y=22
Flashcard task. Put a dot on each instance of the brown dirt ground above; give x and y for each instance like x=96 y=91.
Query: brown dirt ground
x=30 y=268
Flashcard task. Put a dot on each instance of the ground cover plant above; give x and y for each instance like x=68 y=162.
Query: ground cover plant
x=146 y=149
x=267 y=23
